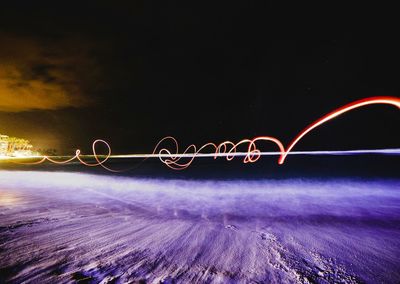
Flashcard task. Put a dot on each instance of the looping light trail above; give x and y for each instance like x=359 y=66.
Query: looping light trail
x=100 y=159
x=228 y=149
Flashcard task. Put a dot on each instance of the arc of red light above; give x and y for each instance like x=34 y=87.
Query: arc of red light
x=253 y=153
x=357 y=104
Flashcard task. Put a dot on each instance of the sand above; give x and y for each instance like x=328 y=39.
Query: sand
x=58 y=227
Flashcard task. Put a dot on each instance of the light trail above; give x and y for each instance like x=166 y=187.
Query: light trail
x=389 y=151
x=228 y=149
x=342 y=110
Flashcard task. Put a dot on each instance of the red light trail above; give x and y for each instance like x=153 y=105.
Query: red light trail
x=228 y=149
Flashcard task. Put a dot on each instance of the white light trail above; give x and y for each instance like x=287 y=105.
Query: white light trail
x=390 y=151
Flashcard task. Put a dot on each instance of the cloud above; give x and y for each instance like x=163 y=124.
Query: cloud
x=37 y=74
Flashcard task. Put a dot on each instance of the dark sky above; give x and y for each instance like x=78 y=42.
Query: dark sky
x=133 y=73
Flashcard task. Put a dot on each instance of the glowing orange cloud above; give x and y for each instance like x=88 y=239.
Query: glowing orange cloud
x=227 y=149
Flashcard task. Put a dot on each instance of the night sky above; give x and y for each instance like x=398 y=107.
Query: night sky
x=132 y=74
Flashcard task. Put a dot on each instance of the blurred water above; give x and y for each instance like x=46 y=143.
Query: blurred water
x=203 y=230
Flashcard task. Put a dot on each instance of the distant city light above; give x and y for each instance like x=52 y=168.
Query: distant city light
x=15 y=147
